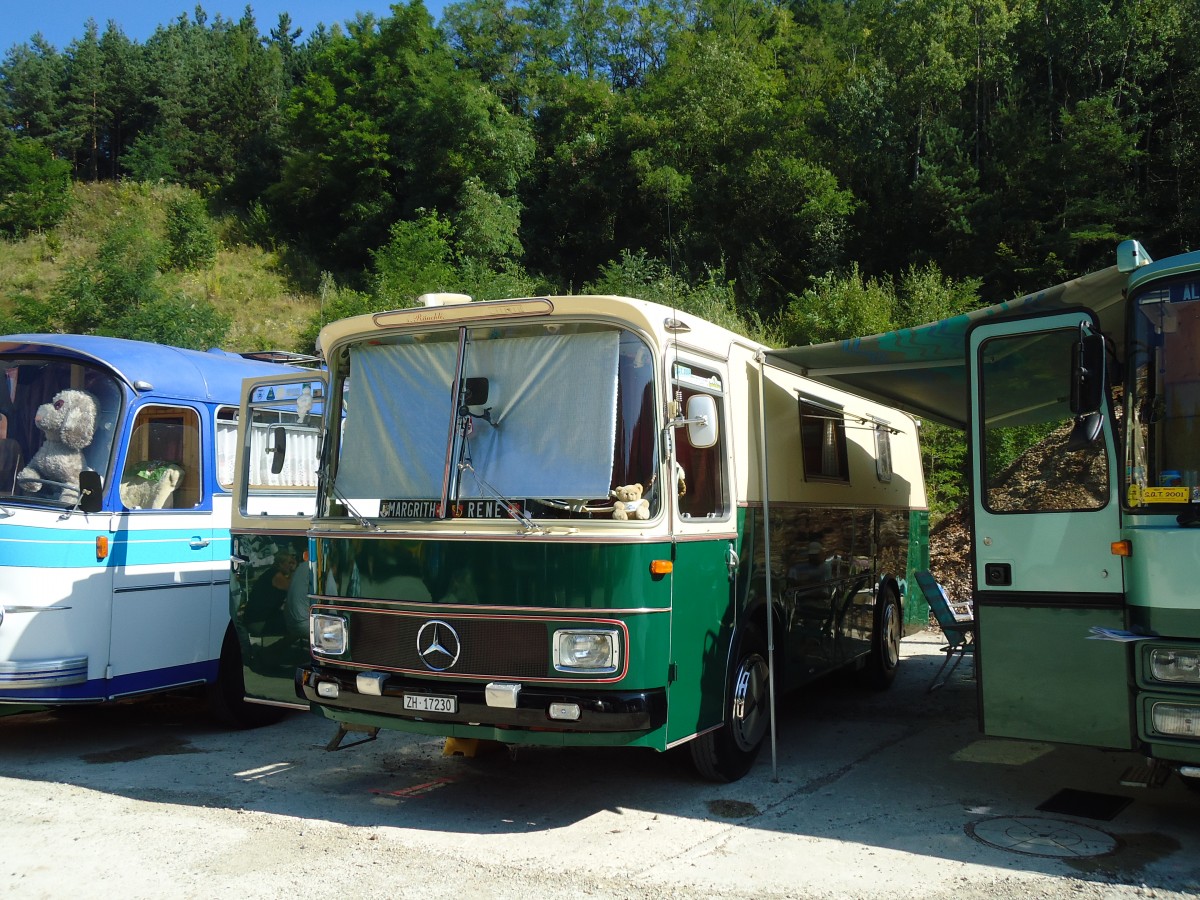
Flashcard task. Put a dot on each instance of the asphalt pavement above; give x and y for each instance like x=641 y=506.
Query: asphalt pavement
x=891 y=794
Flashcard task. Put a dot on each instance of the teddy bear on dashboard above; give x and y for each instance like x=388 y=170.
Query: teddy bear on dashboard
x=630 y=503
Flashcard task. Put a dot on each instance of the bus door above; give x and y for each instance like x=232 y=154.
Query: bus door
x=1045 y=515
x=164 y=572
x=274 y=499
x=704 y=525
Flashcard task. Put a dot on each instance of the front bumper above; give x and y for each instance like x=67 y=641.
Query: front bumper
x=600 y=711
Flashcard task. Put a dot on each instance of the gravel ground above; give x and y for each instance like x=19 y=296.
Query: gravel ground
x=891 y=795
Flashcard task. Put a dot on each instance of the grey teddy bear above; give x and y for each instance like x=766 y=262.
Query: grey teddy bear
x=69 y=423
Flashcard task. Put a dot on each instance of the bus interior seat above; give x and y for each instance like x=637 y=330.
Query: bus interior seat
x=149 y=485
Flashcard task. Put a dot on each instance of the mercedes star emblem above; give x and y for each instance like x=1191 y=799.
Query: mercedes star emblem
x=438 y=645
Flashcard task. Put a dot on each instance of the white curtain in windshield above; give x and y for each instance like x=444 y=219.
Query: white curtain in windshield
x=551 y=401
x=394 y=436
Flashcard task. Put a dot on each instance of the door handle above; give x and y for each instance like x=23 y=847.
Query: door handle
x=198 y=543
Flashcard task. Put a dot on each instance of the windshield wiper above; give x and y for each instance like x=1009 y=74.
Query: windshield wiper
x=511 y=508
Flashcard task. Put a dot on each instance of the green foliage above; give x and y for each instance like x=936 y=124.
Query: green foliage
x=191 y=237
x=35 y=188
x=121 y=293
x=944 y=459
x=838 y=307
x=418 y=258
x=641 y=276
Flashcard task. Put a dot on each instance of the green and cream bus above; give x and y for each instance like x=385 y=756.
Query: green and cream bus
x=575 y=521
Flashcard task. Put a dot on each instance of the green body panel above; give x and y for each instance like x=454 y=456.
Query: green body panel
x=1045 y=680
x=1160 y=576
x=701 y=631
x=916 y=609
x=271 y=650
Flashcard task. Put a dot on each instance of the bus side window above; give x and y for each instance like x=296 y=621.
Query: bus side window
x=700 y=483
x=162 y=464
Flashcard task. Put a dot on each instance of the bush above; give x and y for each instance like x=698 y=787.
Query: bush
x=35 y=188
x=191 y=238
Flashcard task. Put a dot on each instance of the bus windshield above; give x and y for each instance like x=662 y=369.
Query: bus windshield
x=57 y=418
x=494 y=422
x=1163 y=401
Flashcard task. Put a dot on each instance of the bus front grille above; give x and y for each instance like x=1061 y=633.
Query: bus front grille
x=450 y=645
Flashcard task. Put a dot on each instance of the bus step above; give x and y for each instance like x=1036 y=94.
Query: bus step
x=1151 y=774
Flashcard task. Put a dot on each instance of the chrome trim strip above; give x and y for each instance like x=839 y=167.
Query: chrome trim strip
x=42 y=673
x=479 y=609
x=32 y=609
x=301 y=707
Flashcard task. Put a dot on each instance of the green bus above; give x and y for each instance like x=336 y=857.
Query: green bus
x=1087 y=611
x=570 y=521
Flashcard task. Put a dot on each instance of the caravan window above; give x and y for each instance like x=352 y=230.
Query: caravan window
x=823 y=441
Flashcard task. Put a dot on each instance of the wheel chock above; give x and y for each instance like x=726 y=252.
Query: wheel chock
x=467 y=747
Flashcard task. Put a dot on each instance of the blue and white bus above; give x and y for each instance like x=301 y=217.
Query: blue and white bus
x=114 y=531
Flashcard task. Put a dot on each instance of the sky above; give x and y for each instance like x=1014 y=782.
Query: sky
x=61 y=21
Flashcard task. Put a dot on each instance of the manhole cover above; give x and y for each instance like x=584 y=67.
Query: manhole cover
x=1037 y=836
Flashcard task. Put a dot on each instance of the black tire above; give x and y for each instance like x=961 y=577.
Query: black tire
x=227 y=697
x=1191 y=782
x=727 y=753
x=884 y=659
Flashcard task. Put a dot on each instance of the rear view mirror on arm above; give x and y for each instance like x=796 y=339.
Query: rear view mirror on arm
x=1088 y=380
x=701 y=421
x=279 y=450
x=1087 y=373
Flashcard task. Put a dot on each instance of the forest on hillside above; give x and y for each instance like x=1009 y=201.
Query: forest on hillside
x=797 y=160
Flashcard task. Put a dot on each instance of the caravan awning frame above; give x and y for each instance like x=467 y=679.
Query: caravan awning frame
x=922 y=370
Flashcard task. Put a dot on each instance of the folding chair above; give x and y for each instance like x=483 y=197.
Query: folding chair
x=958 y=628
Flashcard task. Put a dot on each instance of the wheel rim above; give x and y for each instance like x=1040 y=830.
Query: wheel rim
x=890 y=638
x=751 y=708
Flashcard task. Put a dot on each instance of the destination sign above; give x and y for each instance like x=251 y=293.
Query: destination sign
x=432 y=509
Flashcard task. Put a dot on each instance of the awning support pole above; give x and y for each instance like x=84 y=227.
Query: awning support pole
x=766 y=508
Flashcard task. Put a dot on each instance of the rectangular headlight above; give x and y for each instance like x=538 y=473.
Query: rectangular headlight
x=1175 y=665
x=586 y=650
x=1178 y=719
x=327 y=634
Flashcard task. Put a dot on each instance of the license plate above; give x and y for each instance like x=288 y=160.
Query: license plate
x=430 y=703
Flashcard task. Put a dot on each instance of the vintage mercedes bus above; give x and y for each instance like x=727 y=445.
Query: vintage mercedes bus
x=576 y=520
x=116 y=462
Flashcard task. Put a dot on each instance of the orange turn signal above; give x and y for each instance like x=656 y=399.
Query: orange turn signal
x=1122 y=548
x=101 y=546
x=661 y=567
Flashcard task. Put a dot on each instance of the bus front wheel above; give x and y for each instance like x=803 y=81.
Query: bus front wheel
x=227 y=696
x=728 y=752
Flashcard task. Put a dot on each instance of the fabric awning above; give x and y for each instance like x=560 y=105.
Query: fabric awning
x=923 y=370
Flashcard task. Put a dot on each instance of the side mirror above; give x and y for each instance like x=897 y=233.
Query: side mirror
x=701 y=420
x=1087 y=373
x=1086 y=431
x=279 y=451
x=91 y=491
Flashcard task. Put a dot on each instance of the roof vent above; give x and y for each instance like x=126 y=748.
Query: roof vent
x=443 y=299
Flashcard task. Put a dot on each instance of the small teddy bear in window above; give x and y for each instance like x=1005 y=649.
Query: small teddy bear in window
x=630 y=504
